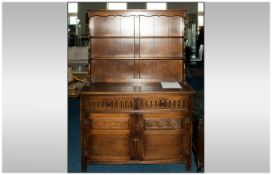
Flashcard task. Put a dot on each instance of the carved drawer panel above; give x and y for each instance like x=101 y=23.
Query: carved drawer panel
x=138 y=103
x=161 y=103
x=109 y=121
x=109 y=103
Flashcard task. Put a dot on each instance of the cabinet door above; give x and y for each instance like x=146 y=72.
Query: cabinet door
x=164 y=136
x=108 y=137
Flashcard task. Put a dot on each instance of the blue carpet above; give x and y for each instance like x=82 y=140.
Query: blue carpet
x=74 y=157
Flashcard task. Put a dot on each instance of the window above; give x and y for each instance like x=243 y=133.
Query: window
x=73 y=20
x=200 y=21
x=72 y=7
x=72 y=14
x=200 y=7
x=156 y=6
x=116 y=5
x=200 y=15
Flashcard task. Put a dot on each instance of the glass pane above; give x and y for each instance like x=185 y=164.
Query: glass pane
x=73 y=20
x=72 y=7
x=117 y=6
x=200 y=7
x=156 y=6
x=200 y=20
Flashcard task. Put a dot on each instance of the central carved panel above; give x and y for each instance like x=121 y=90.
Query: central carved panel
x=163 y=123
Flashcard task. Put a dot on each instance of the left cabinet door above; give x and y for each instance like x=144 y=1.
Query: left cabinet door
x=108 y=139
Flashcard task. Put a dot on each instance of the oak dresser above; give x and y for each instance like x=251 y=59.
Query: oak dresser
x=126 y=115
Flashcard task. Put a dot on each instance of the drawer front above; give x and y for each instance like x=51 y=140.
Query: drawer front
x=109 y=103
x=159 y=102
x=135 y=103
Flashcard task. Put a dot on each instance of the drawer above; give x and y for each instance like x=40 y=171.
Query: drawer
x=135 y=103
x=157 y=102
x=108 y=103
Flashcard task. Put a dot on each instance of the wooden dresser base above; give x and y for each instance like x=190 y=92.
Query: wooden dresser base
x=136 y=126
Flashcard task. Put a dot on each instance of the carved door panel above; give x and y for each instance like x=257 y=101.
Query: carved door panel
x=164 y=136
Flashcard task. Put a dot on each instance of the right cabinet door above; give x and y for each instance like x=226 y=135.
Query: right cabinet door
x=165 y=136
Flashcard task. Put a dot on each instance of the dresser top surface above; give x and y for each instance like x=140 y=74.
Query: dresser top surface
x=134 y=88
